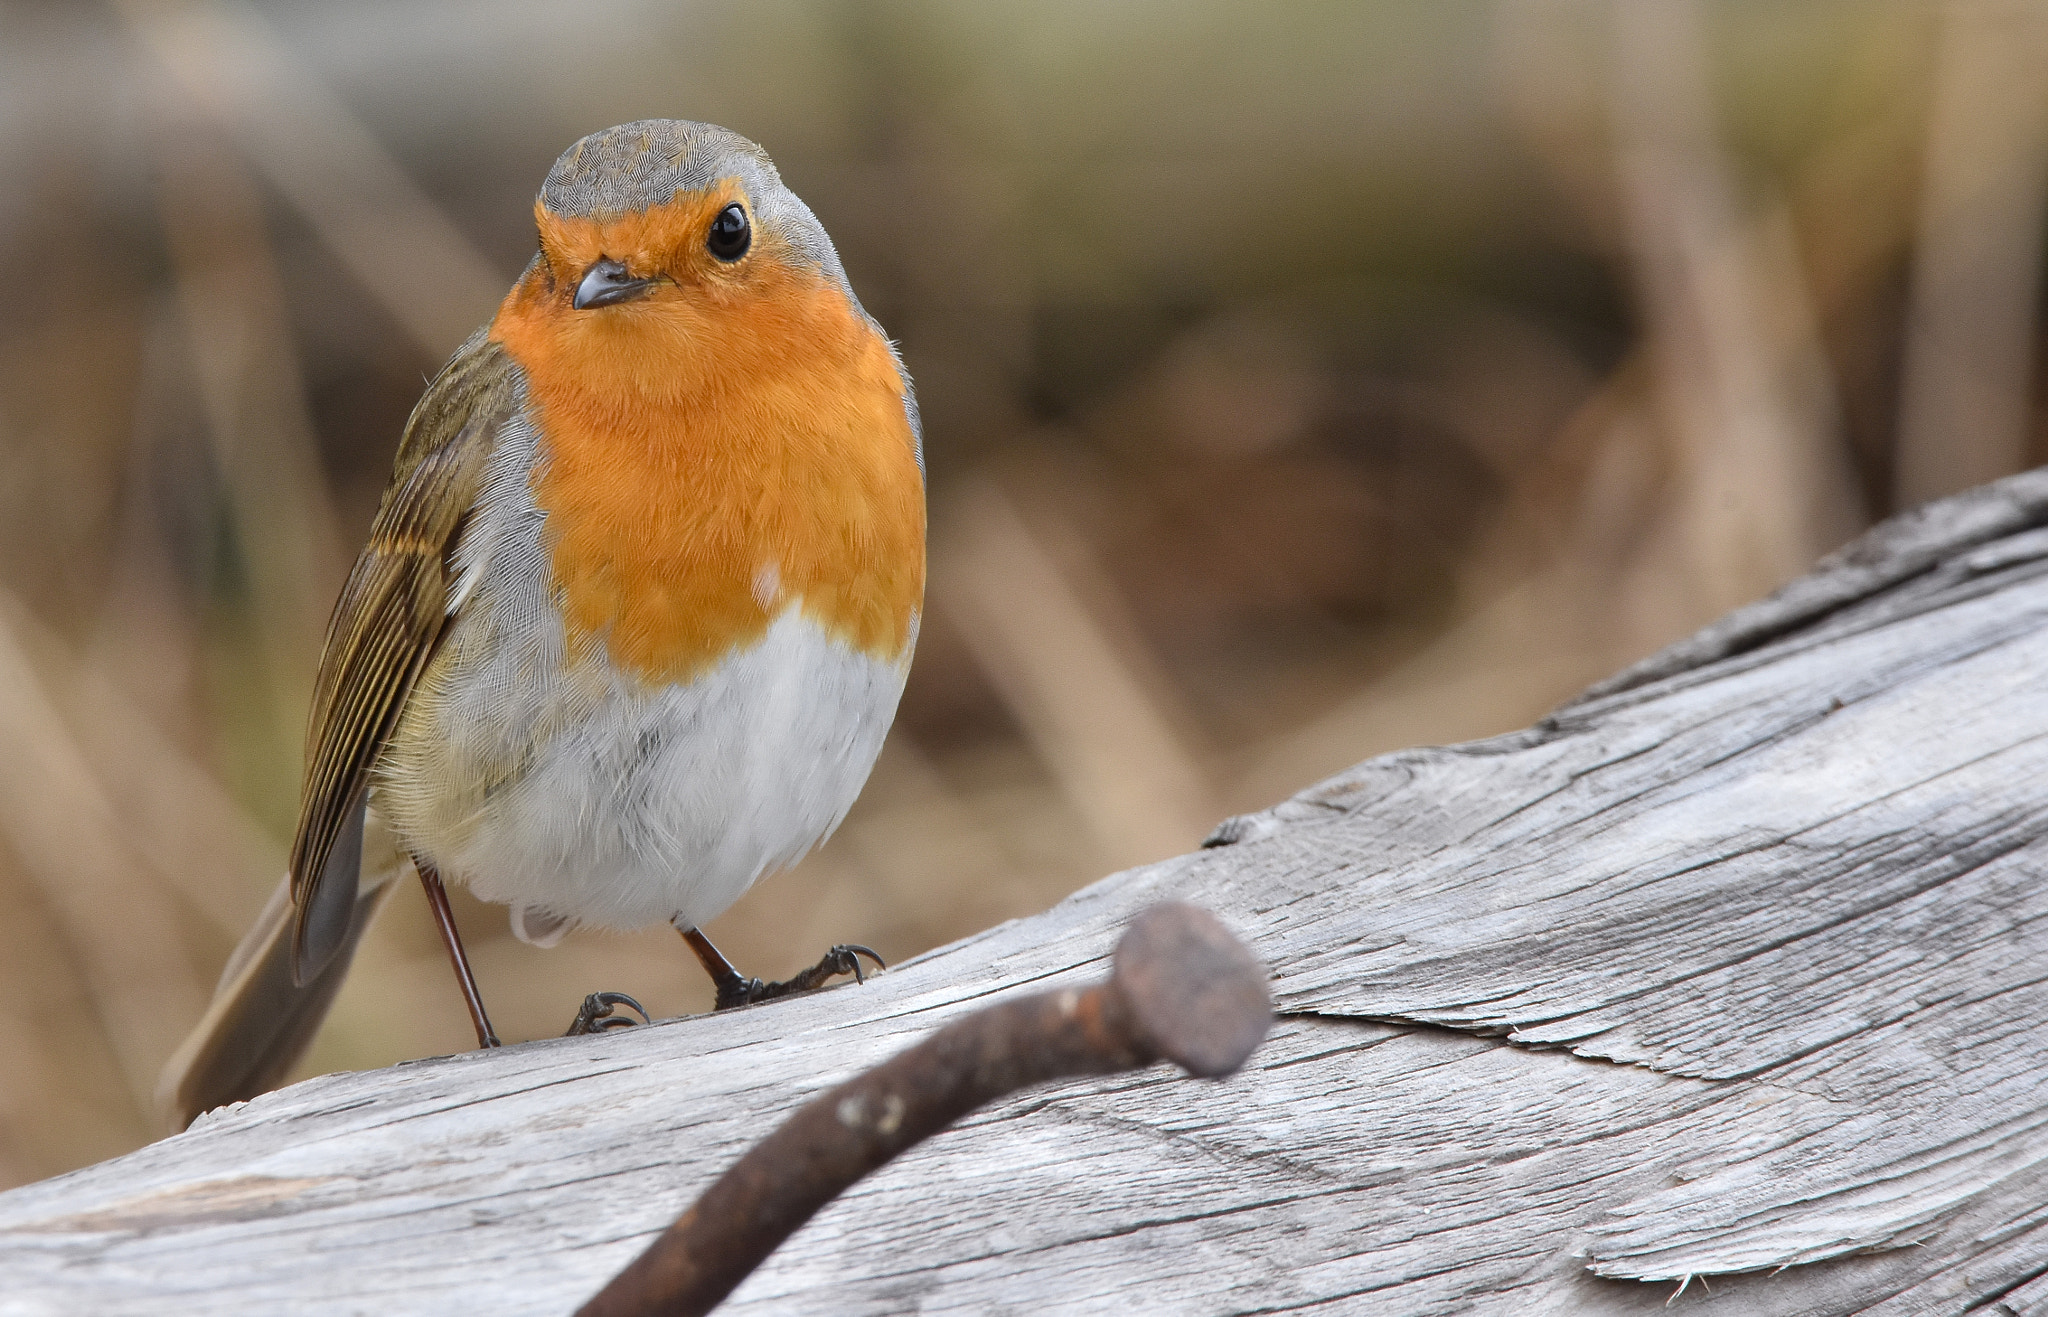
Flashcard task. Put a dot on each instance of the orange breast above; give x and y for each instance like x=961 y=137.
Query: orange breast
x=714 y=451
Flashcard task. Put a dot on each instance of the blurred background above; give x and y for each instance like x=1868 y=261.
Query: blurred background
x=1300 y=381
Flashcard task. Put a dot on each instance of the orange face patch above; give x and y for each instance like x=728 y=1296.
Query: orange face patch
x=730 y=442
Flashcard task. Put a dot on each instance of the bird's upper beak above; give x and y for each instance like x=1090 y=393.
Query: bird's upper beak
x=608 y=283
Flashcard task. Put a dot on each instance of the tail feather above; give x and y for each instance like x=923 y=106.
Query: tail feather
x=260 y=1022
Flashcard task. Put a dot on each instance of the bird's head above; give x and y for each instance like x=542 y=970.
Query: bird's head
x=673 y=258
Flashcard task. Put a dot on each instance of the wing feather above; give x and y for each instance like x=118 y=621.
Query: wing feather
x=394 y=608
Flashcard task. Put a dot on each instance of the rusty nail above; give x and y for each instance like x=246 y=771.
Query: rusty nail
x=1180 y=989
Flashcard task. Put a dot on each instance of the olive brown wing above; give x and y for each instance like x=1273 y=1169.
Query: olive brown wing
x=386 y=625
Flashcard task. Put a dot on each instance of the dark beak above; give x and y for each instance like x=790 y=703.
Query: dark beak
x=606 y=284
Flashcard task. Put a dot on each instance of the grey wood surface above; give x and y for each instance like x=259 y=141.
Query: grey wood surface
x=1736 y=964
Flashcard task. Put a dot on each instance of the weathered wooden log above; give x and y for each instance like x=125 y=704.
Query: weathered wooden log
x=1181 y=989
x=1735 y=967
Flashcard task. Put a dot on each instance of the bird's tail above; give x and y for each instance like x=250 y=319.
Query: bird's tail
x=259 y=1023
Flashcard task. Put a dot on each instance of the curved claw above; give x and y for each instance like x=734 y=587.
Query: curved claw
x=599 y=1013
x=848 y=955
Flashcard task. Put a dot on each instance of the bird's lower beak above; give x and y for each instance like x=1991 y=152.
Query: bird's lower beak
x=608 y=283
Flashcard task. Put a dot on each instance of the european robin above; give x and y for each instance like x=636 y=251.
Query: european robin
x=635 y=611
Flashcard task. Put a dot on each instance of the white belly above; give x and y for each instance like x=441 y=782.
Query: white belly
x=637 y=805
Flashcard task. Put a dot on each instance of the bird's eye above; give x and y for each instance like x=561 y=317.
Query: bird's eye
x=731 y=235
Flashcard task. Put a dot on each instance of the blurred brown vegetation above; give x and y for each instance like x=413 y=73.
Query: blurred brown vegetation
x=1300 y=382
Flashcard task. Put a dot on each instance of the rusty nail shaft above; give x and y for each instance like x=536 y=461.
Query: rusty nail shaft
x=1181 y=989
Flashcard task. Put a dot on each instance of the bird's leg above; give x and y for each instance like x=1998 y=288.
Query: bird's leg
x=444 y=919
x=736 y=989
x=733 y=987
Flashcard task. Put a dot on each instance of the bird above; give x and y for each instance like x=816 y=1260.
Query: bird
x=635 y=612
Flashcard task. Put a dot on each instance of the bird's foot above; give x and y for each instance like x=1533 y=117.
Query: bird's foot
x=739 y=990
x=599 y=1013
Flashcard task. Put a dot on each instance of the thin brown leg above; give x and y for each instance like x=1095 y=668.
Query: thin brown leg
x=736 y=989
x=444 y=918
x=733 y=987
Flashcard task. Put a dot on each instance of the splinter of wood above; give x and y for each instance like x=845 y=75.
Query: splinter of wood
x=444 y=919
x=1180 y=989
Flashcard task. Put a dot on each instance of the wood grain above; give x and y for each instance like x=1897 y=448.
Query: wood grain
x=1737 y=963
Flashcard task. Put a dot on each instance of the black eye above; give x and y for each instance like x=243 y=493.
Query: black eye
x=730 y=233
